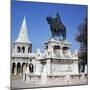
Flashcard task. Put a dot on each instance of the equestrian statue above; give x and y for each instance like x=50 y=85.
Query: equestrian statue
x=56 y=26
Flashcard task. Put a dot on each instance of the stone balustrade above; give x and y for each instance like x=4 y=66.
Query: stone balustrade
x=59 y=78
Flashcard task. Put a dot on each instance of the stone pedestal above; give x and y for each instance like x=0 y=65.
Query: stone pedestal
x=48 y=62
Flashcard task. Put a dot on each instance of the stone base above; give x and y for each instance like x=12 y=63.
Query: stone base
x=57 y=79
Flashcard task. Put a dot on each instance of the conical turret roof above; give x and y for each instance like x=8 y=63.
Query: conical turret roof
x=23 y=34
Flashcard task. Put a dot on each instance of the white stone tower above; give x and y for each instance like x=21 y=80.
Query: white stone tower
x=21 y=49
x=22 y=43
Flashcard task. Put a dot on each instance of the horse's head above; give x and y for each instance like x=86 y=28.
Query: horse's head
x=49 y=19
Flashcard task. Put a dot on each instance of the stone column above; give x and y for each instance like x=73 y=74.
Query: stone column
x=75 y=67
x=68 y=79
x=34 y=66
x=20 y=68
x=86 y=69
x=15 y=69
x=38 y=68
x=48 y=62
x=25 y=74
x=61 y=52
x=49 y=52
x=52 y=52
x=15 y=51
x=83 y=76
x=69 y=53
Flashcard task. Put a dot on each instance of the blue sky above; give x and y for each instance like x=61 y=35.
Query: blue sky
x=38 y=29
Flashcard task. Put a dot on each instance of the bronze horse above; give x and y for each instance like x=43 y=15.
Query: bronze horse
x=56 y=26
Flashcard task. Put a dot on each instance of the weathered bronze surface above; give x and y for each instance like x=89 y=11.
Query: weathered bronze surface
x=56 y=26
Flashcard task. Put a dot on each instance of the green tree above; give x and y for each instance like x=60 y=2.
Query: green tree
x=82 y=39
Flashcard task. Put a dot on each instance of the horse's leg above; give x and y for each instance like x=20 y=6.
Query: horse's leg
x=52 y=34
x=52 y=31
x=64 y=35
x=59 y=33
x=55 y=31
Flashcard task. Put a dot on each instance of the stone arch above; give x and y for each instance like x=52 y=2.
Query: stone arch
x=13 y=67
x=18 y=68
x=24 y=67
x=29 y=49
x=18 y=49
x=23 y=49
x=31 y=68
x=56 y=47
x=65 y=48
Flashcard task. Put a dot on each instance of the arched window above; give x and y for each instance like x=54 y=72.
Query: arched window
x=31 y=67
x=18 y=68
x=65 y=48
x=56 y=47
x=18 y=49
x=29 y=49
x=23 y=49
x=13 y=67
x=24 y=67
x=46 y=47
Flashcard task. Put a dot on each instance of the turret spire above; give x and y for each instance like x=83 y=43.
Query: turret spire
x=23 y=34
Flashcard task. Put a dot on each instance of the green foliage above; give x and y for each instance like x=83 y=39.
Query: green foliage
x=82 y=39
